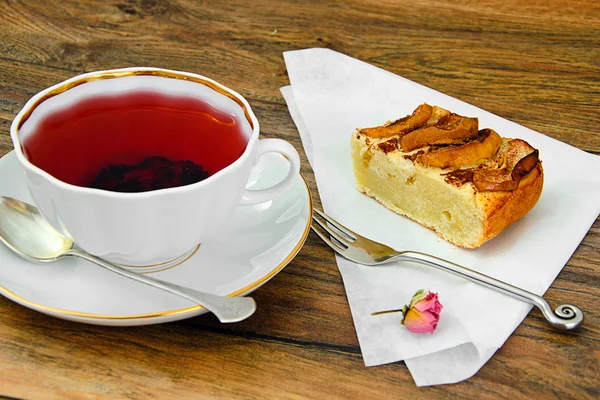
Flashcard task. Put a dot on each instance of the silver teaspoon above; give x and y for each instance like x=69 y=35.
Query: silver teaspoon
x=28 y=234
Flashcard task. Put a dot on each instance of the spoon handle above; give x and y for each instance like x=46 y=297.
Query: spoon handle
x=227 y=309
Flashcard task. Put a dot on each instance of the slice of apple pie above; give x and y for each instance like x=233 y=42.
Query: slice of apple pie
x=439 y=169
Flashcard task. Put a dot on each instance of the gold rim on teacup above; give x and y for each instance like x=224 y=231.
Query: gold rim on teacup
x=64 y=86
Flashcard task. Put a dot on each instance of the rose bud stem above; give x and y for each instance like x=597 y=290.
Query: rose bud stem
x=389 y=311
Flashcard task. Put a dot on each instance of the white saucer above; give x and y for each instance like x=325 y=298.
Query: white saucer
x=259 y=241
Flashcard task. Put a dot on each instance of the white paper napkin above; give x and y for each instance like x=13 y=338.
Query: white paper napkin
x=330 y=96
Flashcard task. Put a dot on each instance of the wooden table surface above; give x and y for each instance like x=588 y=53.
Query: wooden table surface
x=534 y=62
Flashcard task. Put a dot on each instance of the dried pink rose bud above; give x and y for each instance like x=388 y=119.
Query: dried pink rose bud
x=423 y=313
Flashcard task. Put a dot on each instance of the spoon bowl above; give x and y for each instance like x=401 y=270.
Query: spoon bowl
x=28 y=234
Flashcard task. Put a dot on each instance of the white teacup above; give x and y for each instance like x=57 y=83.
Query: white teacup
x=154 y=226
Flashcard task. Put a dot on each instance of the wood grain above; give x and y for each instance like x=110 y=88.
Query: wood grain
x=535 y=63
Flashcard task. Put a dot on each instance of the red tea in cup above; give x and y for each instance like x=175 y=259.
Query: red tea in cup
x=136 y=142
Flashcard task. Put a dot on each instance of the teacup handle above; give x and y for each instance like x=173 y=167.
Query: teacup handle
x=273 y=146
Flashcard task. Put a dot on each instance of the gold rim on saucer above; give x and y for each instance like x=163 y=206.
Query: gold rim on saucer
x=238 y=292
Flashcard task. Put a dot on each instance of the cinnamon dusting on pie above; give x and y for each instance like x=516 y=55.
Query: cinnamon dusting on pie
x=412 y=157
x=459 y=177
x=388 y=146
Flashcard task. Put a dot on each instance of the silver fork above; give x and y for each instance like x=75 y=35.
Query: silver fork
x=361 y=250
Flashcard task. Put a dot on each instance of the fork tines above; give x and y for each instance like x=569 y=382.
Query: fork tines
x=339 y=236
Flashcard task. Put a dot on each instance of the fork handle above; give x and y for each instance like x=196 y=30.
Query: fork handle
x=566 y=316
